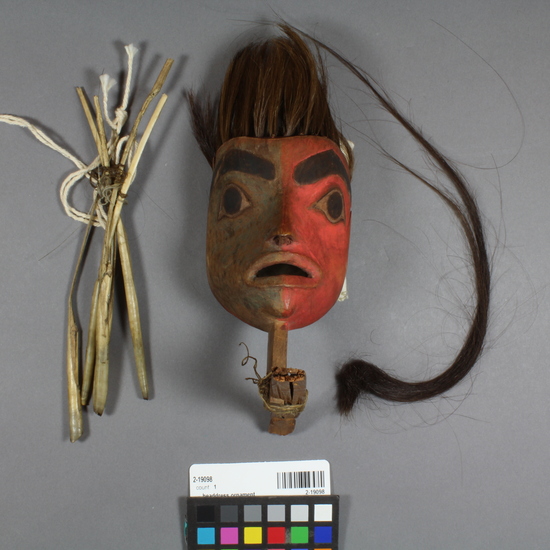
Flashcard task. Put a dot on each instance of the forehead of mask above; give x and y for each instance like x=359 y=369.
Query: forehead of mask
x=278 y=229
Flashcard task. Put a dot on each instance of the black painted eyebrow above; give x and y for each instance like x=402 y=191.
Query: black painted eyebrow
x=320 y=166
x=243 y=161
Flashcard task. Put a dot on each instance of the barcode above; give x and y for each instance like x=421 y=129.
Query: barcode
x=300 y=480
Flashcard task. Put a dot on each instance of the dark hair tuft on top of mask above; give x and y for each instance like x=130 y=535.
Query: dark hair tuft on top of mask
x=272 y=88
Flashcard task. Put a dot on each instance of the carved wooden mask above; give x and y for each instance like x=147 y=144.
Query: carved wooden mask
x=278 y=229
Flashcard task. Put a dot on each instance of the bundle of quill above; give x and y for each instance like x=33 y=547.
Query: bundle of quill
x=111 y=173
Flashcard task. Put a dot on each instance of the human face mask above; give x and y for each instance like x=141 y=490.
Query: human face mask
x=278 y=229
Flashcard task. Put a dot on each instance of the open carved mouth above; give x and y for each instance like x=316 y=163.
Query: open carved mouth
x=282 y=269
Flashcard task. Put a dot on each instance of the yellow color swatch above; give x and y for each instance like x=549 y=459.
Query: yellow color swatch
x=252 y=535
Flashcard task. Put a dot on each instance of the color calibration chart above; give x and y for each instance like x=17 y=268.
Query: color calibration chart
x=263 y=523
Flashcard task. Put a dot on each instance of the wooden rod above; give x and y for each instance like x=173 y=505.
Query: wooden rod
x=277 y=349
x=287 y=387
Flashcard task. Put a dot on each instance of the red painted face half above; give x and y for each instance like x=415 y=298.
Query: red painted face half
x=278 y=229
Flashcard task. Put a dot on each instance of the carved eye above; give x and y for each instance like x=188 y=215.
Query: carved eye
x=332 y=206
x=234 y=201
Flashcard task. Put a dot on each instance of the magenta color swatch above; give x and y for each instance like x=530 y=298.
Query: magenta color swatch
x=229 y=535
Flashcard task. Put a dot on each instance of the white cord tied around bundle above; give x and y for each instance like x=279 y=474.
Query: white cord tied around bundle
x=86 y=170
x=111 y=173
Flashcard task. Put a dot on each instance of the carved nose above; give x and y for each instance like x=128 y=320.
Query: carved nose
x=282 y=240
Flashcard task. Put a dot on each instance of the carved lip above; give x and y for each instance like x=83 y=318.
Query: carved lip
x=285 y=269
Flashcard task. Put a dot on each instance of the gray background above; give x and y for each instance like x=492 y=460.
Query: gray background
x=466 y=471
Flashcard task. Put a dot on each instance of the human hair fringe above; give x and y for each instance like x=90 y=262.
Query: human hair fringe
x=278 y=88
x=273 y=88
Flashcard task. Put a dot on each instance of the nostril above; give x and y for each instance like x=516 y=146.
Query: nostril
x=281 y=240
